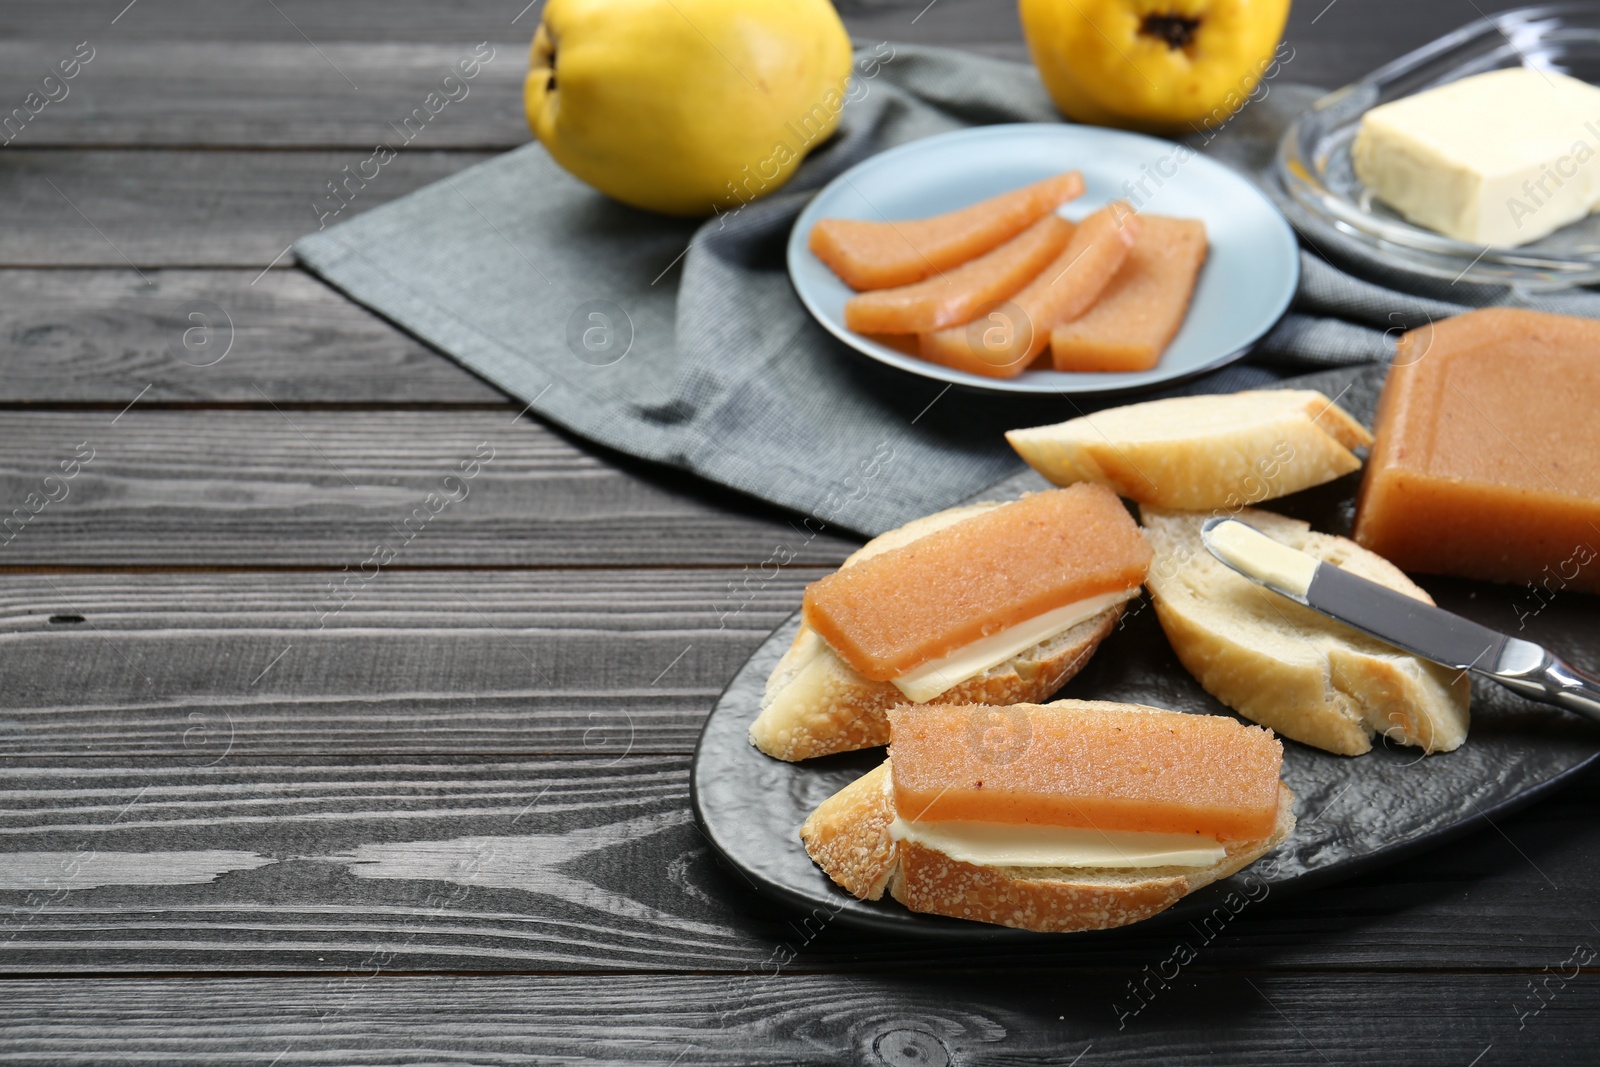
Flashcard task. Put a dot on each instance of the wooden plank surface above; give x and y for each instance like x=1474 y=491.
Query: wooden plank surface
x=281 y=487
x=226 y=863
x=787 y=1018
x=1335 y=42
x=173 y=208
x=476 y=760
x=257 y=705
x=950 y=22
x=99 y=337
x=284 y=94
x=234 y=208
x=406 y=662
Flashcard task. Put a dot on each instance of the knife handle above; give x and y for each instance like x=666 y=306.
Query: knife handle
x=1555 y=681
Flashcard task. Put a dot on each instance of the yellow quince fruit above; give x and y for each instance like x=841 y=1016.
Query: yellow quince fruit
x=686 y=106
x=1158 y=65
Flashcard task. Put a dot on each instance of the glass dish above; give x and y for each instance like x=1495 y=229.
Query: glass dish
x=1314 y=154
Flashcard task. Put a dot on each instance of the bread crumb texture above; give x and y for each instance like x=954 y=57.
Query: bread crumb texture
x=1201 y=452
x=1283 y=665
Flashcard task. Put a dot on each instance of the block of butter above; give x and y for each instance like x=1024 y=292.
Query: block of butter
x=1501 y=158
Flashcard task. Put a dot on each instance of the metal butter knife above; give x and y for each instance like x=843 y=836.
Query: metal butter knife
x=1411 y=625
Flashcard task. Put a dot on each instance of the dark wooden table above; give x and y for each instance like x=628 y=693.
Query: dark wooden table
x=261 y=804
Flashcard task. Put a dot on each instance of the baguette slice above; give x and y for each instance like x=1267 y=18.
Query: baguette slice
x=816 y=704
x=1285 y=666
x=848 y=837
x=1201 y=452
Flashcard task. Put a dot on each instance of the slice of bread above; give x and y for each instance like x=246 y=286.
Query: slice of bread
x=1063 y=900
x=848 y=837
x=1200 y=452
x=816 y=704
x=848 y=834
x=1285 y=666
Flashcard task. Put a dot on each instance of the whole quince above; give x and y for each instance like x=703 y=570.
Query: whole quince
x=686 y=106
x=1159 y=65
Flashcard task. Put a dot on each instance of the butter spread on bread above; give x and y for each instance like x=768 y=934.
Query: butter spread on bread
x=921 y=684
x=921 y=601
x=1204 y=792
x=999 y=844
x=1285 y=666
x=1255 y=555
x=986 y=604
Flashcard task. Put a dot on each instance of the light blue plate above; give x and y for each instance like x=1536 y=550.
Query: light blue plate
x=1246 y=284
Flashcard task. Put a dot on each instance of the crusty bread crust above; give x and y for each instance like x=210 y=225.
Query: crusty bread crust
x=848 y=837
x=827 y=706
x=1201 y=452
x=845 y=711
x=1059 y=900
x=848 y=834
x=1287 y=667
x=929 y=881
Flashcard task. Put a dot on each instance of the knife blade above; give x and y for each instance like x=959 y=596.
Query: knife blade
x=1410 y=625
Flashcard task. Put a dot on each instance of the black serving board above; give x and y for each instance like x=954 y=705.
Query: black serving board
x=1354 y=813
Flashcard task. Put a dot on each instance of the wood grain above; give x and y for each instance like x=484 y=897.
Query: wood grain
x=1335 y=42
x=277 y=487
x=1338 y=41
x=910 y=1021
x=196 y=666
x=573 y=863
x=484 y=768
x=101 y=336
x=144 y=94
x=232 y=208
x=173 y=208
x=953 y=22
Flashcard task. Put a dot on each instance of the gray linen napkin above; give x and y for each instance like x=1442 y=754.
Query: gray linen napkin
x=683 y=342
